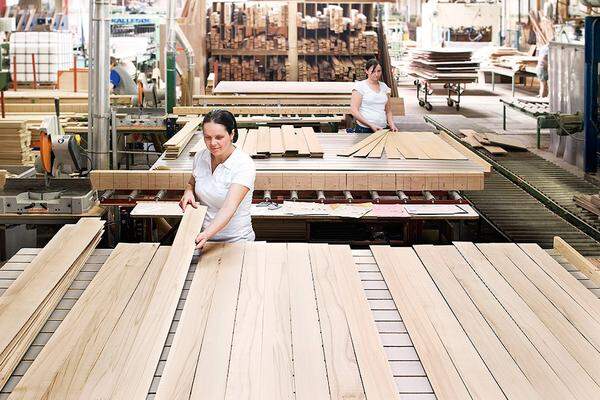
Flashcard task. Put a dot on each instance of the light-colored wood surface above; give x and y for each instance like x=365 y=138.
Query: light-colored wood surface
x=591 y=270
x=327 y=88
x=175 y=145
x=157 y=209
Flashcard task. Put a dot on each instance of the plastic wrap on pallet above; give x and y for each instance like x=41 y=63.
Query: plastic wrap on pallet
x=566 y=91
x=53 y=53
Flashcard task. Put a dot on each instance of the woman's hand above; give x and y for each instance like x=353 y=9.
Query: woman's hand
x=188 y=198
x=201 y=240
x=375 y=128
x=393 y=128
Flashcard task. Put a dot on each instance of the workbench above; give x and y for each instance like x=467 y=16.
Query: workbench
x=283 y=88
x=535 y=108
x=409 y=374
x=511 y=73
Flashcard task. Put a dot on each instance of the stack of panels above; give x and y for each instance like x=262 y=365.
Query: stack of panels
x=175 y=145
x=15 y=142
x=443 y=64
x=286 y=141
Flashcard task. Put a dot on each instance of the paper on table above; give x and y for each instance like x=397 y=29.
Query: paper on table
x=303 y=208
x=389 y=210
x=434 y=209
x=351 y=210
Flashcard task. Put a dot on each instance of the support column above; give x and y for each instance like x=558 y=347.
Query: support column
x=202 y=50
x=590 y=108
x=292 y=40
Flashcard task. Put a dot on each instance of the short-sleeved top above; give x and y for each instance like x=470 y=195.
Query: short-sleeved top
x=212 y=187
x=372 y=107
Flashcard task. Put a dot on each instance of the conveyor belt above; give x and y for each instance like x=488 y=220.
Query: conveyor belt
x=545 y=183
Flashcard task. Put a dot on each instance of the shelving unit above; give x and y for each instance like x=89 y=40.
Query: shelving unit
x=251 y=40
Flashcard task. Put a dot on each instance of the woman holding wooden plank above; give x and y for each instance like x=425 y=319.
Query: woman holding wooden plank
x=222 y=180
x=370 y=103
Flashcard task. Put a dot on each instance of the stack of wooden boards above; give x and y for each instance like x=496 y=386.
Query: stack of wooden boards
x=28 y=302
x=496 y=321
x=109 y=344
x=276 y=321
x=511 y=58
x=403 y=145
x=491 y=142
x=443 y=64
x=15 y=143
x=175 y=145
x=588 y=202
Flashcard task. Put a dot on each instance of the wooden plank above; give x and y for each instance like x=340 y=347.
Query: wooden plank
x=58 y=372
x=375 y=372
x=309 y=366
x=291 y=144
x=314 y=146
x=210 y=380
x=251 y=143
x=241 y=138
x=364 y=152
x=340 y=360
x=178 y=375
x=407 y=147
x=247 y=110
x=534 y=354
x=175 y=145
x=575 y=334
x=244 y=377
x=277 y=148
x=28 y=302
x=378 y=150
x=510 y=377
x=445 y=379
x=495 y=150
x=466 y=152
x=358 y=146
x=198 y=147
x=391 y=151
x=276 y=367
x=263 y=145
x=577 y=260
x=584 y=297
x=303 y=149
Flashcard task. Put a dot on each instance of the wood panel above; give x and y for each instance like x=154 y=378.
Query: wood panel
x=175 y=145
x=588 y=268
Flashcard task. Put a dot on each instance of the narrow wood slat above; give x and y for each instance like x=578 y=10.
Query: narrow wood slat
x=562 y=277
x=407 y=147
x=378 y=150
x=276 y=361
x=577 y=260
x=243 y=381
x=527 y=353
x=551 y=326
x=374 y=368
x=340 y=360
x=391 y=151
x=251 y=143
x=77 y=342
x=503 y=367
x=303 y=149
x=263 y=145
x=314 y=146
x=310 y=376
x=242 y=133
x=362 y=143
x=444 y=378
x=364 y=152
x=210 y=380
x=178 y=376
x=199 y=146
x=277 y=148
x=290 y=140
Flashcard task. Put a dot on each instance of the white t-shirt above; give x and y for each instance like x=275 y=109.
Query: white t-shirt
x=211 y=190
x=372 y=107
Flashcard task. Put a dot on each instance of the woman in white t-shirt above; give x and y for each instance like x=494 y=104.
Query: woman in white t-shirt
x=223 y=181
x=370 y=104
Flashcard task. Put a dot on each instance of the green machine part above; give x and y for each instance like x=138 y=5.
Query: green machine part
x=4 y=65
x=171 y=81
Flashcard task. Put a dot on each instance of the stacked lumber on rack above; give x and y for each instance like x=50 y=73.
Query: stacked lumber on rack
x=28 y=302
x=175 y=145
x=15 y=143
x=588 y=202
x=491 y=142
x=276 y=321
x=496 y=321
x=403 y=145
x=443 y=64
x=109 y=344
x=286 y=141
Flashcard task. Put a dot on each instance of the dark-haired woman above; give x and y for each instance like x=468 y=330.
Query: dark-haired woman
x=223 y=181
x=370 y=104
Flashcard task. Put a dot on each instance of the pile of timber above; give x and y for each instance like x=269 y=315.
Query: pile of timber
x=109 y=344
x=590 y=203
x=491 y=142
x=496 y=320
x=335 y=69
x=28 y=302
x=283 y=321
x=15 y=143
x=175 y=145
x=442 y=64
x=403 y=145
x=543 y=28
x=286 y=141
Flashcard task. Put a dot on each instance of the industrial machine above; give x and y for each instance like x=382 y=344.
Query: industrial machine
x=63 y=188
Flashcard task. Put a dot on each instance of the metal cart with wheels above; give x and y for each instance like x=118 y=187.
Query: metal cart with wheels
x=454 y=87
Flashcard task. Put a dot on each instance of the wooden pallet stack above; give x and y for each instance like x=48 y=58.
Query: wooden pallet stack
x=491 y=142
x=175 y=145
x=15 y=143
x=443 y=64
x=403 y=145
x=29 y=301
x=286 y=141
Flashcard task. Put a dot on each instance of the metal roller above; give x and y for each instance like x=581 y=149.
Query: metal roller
x=160 y=195
x=428 y=196
x=133 y=195
x=267 y=196
x=107 y=195
x=454 y=195
x=294 y=195
x=321 y=196
x=348 y=196
x=402 y=196
x=375 y=196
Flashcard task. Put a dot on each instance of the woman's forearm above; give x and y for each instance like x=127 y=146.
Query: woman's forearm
x=358 y=116
x=221 y=220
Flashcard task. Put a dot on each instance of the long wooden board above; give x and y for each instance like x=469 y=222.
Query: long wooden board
x=588 y=268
